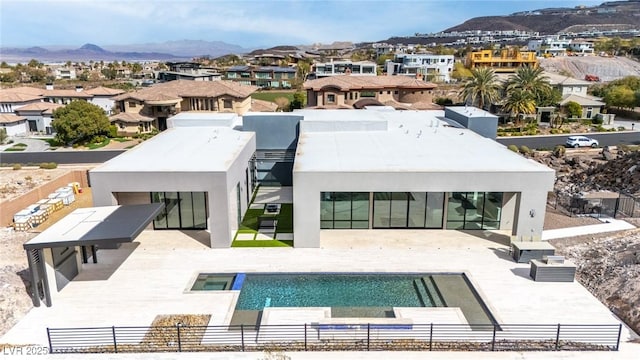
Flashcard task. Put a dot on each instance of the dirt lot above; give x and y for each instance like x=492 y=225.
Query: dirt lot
x=17 y=182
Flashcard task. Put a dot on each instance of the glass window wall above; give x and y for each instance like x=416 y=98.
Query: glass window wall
x=182 y=210
x=416 y=210
x=474 y=210
x=344 y=210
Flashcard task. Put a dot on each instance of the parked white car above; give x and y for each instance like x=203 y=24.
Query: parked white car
x=578 y=141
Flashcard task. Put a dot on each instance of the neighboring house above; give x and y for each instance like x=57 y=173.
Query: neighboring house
x=14 y=98
x=549 y=46
x=161 y=101
x=506 y=61
x=103 y=97
x=39 y=116
x=129 y=123
x=591 y=106
x=433 y=67
x=262 y=76
x=576 y=90
x=63 y=96
x=65 y=73
x=343 y=67
x=581 y=47
x=351 y=171
x=556 y=46
x=348 y=91
x=14 y=125
x=188 y=71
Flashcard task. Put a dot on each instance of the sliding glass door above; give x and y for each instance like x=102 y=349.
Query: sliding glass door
x=182 y=210
x=407 y=210
x=474 y=210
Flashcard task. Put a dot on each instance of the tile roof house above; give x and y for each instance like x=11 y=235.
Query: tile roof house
x=39 y=116
x=165 y=99
x=14 y=100
x=13 y=124
x=346 y=91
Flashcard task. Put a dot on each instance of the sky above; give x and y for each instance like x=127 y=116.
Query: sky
x=247 y=23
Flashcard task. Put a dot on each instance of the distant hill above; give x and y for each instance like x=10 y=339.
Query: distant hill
x=553 y=20
x=184 y=48
x=84 y=53
x=170 y=50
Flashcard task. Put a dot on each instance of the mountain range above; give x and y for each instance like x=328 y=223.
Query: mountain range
x=166 y=51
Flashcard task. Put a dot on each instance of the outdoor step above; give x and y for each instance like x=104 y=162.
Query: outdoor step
x=432 y=290
x=456 y=293
x=422 y=293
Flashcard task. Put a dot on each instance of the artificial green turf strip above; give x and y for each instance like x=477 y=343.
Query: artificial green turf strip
x=262 y=243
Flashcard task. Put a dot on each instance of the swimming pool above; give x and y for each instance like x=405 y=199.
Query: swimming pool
x=350 y=295
x=335 y=290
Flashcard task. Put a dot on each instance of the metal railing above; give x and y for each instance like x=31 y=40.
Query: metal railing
x=618 y=207
x=336 y=337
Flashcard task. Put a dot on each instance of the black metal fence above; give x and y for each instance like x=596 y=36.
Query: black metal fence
x=336 y=337
x=622 y=206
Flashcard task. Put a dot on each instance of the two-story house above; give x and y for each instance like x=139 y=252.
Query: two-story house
x=347 y=92
x=150 y=107
x=507 y=61
x=343 y=67
x=276 y=77
x=433 y=67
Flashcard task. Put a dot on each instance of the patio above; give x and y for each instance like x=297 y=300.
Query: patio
x=124 y=286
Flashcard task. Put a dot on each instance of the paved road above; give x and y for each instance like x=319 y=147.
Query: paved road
x=60 y=157
x=549 y=142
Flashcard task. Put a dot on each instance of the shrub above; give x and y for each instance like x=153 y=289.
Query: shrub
x=621 y=128
x=525 y=150
x=50 y=165
x=559 y=151
x=113 y=131
x=17 y=166
x=597 y=120
x=513 y=148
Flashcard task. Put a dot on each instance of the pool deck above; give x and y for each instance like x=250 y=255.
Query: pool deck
x=132 y=285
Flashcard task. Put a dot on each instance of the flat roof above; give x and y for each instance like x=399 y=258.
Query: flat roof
x=97 y=226
x=182 y=149
x=416 y=141
x=470 y=111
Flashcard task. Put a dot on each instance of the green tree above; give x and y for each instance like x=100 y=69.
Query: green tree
x=620 y=96
x=573 y=109
x=33 y=63
x=37 y=75
x=519 y=102
x=299 y=100
x=79 y=122
x=110 y=73
x=460 y=72
x=530 y=80
x=482 y=88
x=3 y=135
x=551 y=98
x=302 y=70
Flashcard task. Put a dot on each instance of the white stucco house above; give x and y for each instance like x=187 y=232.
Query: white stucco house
x=355 y=170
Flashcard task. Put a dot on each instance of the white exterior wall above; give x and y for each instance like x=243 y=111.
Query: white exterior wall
x=16 y=129
x=105 y=103
x=531 y=187
x=217 y=185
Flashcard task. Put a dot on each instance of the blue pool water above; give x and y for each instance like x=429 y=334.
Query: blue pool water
x=332 y=290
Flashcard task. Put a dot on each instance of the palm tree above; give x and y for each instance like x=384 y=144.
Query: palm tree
x=531 y=80
x=519 y=102
x=482 y=87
